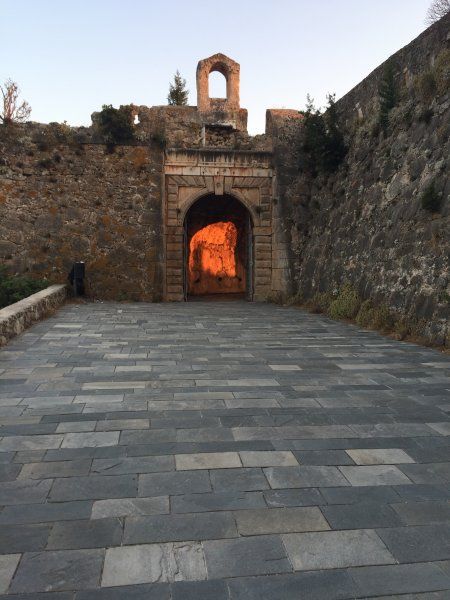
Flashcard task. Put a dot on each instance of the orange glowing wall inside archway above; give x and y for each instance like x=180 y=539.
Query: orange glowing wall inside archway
x=213 y=266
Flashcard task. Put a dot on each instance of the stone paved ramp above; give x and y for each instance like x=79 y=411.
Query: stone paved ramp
x=221 y=451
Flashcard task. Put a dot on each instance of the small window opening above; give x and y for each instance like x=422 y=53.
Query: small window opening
x=217 y=85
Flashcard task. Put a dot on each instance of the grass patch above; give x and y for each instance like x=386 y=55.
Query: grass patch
x=16 y=287
x=346 y=304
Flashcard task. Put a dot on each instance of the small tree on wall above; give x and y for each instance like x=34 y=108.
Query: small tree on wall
x=178 y=94
x=323 y=147
x=13 y=110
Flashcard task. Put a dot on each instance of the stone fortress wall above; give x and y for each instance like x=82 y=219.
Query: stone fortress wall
x=67 y=198
x=365 y=223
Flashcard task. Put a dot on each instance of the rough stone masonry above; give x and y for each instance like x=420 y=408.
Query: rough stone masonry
x=65 y=196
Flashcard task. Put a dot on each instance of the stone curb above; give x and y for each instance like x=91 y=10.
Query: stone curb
x=18 y=316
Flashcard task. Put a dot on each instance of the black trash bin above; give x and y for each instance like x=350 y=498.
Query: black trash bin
x=76 y=278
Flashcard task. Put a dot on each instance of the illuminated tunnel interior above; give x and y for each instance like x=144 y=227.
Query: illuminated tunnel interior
x=217 y=233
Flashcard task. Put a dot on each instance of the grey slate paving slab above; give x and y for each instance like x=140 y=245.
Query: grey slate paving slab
x=85 y=534
x=380 y=494
x=315 y=585
x=423 y=513
x=243 y=479
x=150 y=591
x=307 y=476
x=23 y=537
x=124 y=507
x=48 y=512
x=58 y=570
x=374 y=475
x=150 y=563
x=399 y=579
x=40 y=596
x=178 y=482
x=279 y=520
x=91 y=423
x=418 y=544
x=216 y=589
x=95 y=487
x=49 y=470
x=8 y=565
x=361 y=515
x=246 y=556
x=323 y=457
x=335 y=549
x=294 y=497
x=423 y=492
x=123 y=465
x=174 y=528
x=221 y=501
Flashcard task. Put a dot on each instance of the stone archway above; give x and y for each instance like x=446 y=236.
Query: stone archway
x=218 y=248
x=192 y=174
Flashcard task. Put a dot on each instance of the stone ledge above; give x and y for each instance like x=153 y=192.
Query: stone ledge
x=16 y=317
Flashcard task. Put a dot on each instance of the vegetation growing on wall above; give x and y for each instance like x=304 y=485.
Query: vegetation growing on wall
x=388 y=95
x=14 y=287
x=437 y=10
x=115 y=125
x=178 y=94
x=322 y=147
x=345 y=303
x=431 y=199
x=13 y=110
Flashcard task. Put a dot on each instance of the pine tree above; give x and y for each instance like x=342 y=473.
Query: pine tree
x=178 y=94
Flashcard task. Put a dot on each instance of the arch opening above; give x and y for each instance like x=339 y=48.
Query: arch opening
x=217 y=84
x=218 y=248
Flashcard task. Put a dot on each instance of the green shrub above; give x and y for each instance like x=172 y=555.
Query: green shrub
x=45 y=163
x=442 y=71
x=409 y=326
x=346 y=304
x=426 y=115
x=364 y=318
x=375 y=316
x=427 y=86
x=295 y=299
x=62 y=132
x=320 y=302
x=15 y=288
x=382 y=318
x=323 y=147
x=430 y=199
x=115 y=125
x=388 y=95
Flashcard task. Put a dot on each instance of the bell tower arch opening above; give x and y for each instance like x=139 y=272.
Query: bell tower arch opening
x=218 y=248
x=217 y=85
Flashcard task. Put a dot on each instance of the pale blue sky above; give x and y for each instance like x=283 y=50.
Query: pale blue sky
x=70 y=57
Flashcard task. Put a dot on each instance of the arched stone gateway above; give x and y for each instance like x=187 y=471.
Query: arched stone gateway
x=226 y=185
